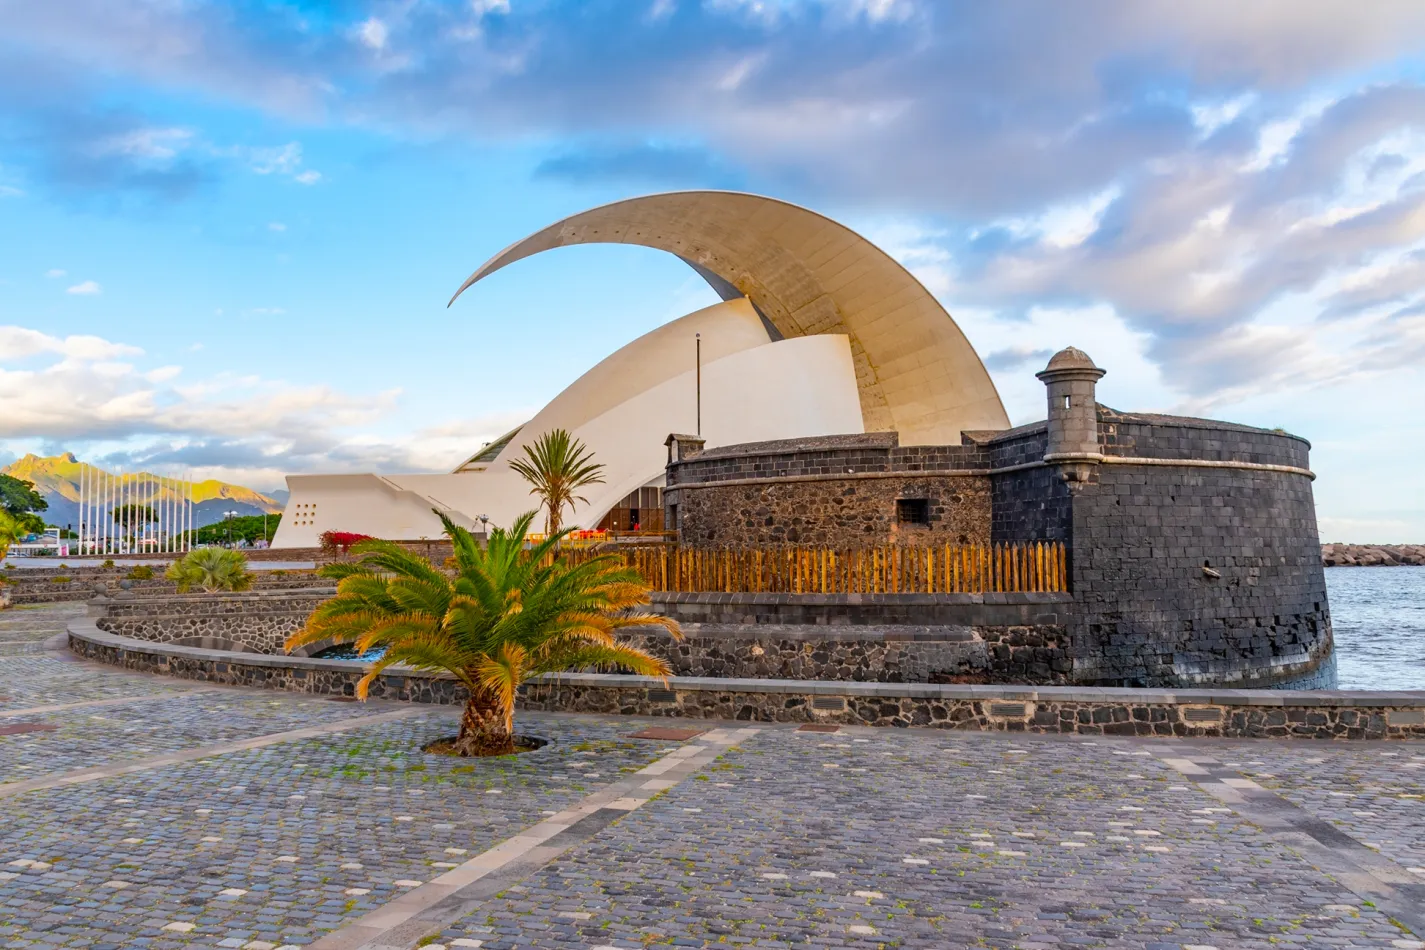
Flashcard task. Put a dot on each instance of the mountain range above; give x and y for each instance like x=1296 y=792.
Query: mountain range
x=57 y=479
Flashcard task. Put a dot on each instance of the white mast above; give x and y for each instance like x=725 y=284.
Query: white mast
x=81 y=509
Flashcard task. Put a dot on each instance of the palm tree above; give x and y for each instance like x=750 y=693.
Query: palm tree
x=510 y=612
x=558 y=465
x=212 y=569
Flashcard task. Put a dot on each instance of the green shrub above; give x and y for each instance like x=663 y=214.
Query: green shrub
x=108 y=562
x=60 y=579
x=141 y=573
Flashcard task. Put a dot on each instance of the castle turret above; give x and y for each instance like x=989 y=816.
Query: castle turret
x=1070 y=379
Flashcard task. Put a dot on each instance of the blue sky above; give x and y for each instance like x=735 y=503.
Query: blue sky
x=230 y=228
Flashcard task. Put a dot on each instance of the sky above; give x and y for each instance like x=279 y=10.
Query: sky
x=230 y=229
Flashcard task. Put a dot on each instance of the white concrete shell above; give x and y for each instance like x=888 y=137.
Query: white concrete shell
x=820 y=333
x=915 y=371
x=623 y=409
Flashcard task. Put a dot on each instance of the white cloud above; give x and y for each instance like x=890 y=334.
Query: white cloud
x=55 y=272
x=277 y=226
x=282 y=159
x=9 y=191
x=373 y=33
x=307 y=177
x=147 y=143
x=85 y=288
x=241 y=427
x=17 y=343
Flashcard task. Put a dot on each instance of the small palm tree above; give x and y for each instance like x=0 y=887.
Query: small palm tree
x=212 y=569
x=510 y=612
x=558 y=465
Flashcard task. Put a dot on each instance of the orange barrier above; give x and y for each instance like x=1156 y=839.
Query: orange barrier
x=1038 y=566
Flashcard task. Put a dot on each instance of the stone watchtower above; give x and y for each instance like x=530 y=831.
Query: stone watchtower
x=1070 y=378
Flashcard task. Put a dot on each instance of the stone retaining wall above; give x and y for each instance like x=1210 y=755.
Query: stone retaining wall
x=46 y=585
x=887 y=654
x=935 y=638
x=260 y=622
x=1080 y=710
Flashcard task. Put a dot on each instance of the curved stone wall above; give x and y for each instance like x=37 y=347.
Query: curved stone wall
x=1048 y=709
x=258 y=622
x=1186 y=575
x=946 y=638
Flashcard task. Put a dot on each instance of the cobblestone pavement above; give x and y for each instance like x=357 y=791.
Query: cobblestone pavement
x=858 y=838
x=24 y=629
x=1374 y=793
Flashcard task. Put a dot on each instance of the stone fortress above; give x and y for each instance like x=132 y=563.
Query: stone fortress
x=840 y=408
x=1193 y=554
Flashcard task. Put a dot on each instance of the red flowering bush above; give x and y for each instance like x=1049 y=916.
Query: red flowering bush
x=340 y=542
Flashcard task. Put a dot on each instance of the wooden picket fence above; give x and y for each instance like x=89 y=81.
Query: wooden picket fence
x=952 y=569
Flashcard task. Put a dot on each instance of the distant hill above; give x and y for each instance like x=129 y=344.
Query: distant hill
x=57 y=479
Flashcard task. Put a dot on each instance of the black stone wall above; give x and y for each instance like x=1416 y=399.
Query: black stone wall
x=1029 y=504
x=1146 y=613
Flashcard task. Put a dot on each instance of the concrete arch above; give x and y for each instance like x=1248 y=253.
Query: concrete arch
x=916 y=373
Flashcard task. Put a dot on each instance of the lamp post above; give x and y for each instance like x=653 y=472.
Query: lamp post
x=228 y=517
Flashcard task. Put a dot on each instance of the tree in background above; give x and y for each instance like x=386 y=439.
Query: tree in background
x=557 y=465
x=18 y=497
x=19 y=501
x=212 y=569
x=249 y=528
x=510 y=613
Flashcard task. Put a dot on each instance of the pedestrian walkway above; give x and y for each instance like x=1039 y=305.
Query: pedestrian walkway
x=147 y=812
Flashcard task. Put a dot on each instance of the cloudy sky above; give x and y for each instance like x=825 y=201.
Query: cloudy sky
x=230 y=228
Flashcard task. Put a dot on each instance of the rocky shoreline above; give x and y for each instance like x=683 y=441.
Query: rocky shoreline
x=1373 y=555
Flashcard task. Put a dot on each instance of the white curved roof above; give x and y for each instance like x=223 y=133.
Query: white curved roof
x=916 y=372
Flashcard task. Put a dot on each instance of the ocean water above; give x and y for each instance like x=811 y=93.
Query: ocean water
x=1378 y=615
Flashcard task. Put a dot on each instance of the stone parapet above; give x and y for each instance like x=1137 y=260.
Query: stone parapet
x=1282 y=714
x=258 y=621
x=830 y=610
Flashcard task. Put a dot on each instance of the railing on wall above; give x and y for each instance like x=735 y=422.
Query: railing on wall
x=945 y=569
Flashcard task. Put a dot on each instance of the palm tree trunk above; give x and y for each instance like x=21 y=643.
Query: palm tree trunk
x=484 y=729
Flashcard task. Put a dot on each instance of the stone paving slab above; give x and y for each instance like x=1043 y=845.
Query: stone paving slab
x=113 y=734
x=57 y=679
x=917 y=839
x=311 y=833
x=1375 y=795
x=857 y=838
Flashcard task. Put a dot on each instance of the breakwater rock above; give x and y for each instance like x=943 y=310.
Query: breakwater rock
x=1372 y=555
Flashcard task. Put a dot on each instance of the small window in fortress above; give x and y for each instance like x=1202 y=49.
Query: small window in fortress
x=913 y=510
x=1066 y=402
